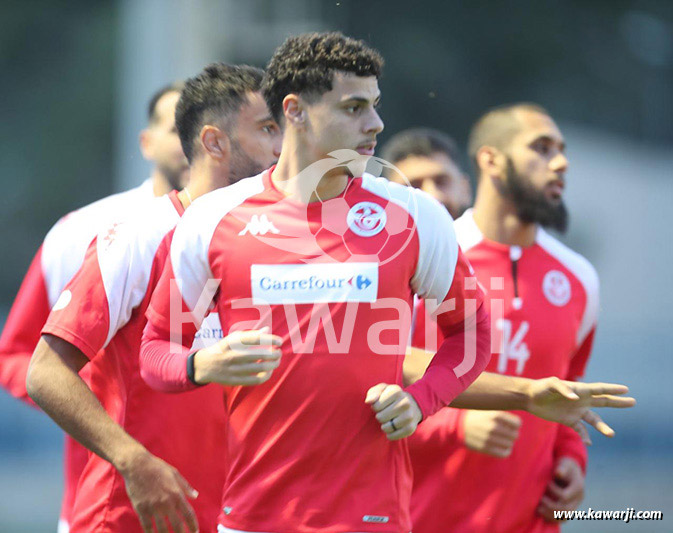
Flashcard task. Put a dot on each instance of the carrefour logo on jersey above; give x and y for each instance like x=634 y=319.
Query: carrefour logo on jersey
x=324 y=282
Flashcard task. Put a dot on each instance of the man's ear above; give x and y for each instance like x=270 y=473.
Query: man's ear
x=294 y=110
x=215 y=143
x=145 y=141
x=490 y=161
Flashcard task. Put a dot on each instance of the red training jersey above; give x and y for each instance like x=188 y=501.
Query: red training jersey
x=102 y=312
x=545 y=327
x=335 y=280
x=55 y=263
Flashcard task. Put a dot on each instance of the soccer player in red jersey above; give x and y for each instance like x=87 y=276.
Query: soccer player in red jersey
x=136 y=433
x=428 y=160
x=330 y=260
x=493 y=471
x=62 y=253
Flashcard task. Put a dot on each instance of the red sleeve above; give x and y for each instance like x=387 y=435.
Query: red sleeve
x=81 y=314
x=163 y=359
x=465 y=350
x=21 y=333
x=568 y=442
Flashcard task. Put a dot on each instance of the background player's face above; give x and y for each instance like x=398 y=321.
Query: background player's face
x=440 y=177
x=345 y=117
x=535 y=172
x=255 y=141
x=160 y=143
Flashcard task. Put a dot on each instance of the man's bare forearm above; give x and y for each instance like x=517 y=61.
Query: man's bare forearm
x=495 y=391
x=54 y=384
x=488 y=391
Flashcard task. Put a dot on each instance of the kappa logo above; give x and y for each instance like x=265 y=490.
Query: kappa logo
x=259 y=225
x=366 y=219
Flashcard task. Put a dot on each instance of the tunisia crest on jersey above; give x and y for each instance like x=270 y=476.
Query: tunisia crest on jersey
x=556 y=288
x=366 y=219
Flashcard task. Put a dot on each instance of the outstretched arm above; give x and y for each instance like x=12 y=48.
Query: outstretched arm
x=566 y=402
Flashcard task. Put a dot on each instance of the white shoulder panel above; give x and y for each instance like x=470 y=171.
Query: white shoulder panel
x=126 y=252
x=467 y=232
x=66 y=243
x=583 y=271
x=191 y=241
x=438 y=248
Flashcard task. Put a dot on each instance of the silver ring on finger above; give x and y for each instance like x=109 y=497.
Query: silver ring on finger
x=392 y=424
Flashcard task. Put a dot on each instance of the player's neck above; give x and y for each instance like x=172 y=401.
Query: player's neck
x=298 y=177
x=160 y=185
x=204 y=177
x=497 y=220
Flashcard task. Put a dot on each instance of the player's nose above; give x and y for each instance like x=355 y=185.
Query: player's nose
x=559 y=164
x=277 y=144
x=374 y=123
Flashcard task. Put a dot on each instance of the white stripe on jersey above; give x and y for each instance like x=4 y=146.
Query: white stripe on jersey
x=126 y=259
x=438 y=253
x=195 y=231
x=583 y=271
x=66 y=243
x=467 y=232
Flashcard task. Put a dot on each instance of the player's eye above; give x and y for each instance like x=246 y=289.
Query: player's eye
x=542 y=147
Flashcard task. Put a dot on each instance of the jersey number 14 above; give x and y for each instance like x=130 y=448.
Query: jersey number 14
x=512 y=346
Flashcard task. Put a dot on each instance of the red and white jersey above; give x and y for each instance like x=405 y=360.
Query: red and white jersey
x=543 y=301
x=55 y=263
x=335 y=280
x=102 y=312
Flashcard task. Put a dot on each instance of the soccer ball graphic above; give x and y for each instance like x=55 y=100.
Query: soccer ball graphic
x=350 y=228
x=367 y=230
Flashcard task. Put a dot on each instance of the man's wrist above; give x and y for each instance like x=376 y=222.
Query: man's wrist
x=418 y=413
x=199 y=375
x=525 y=393
x=128 y=456
x=191 y=369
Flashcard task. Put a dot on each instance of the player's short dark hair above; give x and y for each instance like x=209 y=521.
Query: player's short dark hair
x=215 y=94
x=305 y=64
x=497 y=127
x=174 y=87
x=419 y=142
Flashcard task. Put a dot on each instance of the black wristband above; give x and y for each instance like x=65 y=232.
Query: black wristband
x=190 y=369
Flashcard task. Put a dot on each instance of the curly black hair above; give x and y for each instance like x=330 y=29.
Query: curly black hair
x=215 y=94
x=305 y=64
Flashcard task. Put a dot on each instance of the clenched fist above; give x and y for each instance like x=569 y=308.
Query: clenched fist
x=241 y=358
x=396 y=410
x=491 y=432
